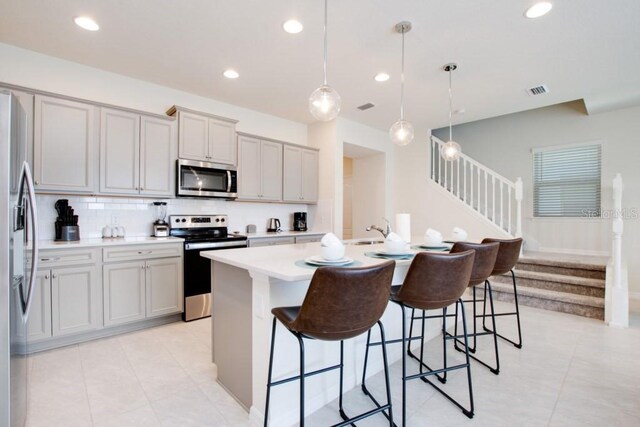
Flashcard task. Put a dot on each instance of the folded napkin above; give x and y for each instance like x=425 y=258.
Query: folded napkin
x=433 y=237
x=330 y=240
x=394 y=237
x=458 y=234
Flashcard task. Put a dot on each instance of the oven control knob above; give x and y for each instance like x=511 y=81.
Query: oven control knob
x=221 y=219
x=217 y=219
x=184 y=220
x=177 y=219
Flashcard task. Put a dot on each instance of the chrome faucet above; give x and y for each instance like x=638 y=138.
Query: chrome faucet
x=385 y=233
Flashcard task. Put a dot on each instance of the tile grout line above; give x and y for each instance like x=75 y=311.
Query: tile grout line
x=84 y=383
x=564 y=379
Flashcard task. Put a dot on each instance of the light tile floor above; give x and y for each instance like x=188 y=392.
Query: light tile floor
x=571 y=371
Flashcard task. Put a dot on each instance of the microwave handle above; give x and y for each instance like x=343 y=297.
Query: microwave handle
x=228 y=181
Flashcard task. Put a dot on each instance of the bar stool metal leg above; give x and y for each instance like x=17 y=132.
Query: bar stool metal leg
x=301 y=343
x=273 y=339
x=385 y=361
x=516 y=313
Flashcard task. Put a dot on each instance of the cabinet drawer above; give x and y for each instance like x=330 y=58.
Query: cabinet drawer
x=271 y=241
x=138 y=252
x=309 y=239
x=64 y=257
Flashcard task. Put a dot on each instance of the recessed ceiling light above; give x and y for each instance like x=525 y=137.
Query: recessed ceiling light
x=231 y=74
x=292 y=26
x=381 y=77
x=86 y=23
x=538 y=9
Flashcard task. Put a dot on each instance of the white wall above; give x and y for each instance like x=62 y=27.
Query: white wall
x=37 y=71
x=369 y=203
x=427 y=204
x=504 y=144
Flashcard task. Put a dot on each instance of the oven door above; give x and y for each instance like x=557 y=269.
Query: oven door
x=197 y=277
x=204 y=179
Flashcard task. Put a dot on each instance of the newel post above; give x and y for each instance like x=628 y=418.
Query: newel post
x=617 y=292
x=519 y=195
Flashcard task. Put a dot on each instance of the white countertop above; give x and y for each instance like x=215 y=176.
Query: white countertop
x=280 y=261
x=288 y=233
x=114 y=241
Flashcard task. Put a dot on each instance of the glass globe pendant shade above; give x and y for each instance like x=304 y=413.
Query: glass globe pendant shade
x=401 y=133
x=324 y=103
x=450 y=151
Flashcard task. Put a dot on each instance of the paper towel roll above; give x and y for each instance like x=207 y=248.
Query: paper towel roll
x=403 y=226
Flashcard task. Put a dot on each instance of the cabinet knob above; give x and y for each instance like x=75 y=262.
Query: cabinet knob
x=46 y=276
x=37 y=182
x=53 y=276
x=141 y=189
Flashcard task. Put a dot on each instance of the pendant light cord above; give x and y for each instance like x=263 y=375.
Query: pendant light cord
x=450 y=108
x=325 y=43
x=402 y=81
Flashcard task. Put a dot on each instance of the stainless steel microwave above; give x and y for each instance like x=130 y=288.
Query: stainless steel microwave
x=204 y=179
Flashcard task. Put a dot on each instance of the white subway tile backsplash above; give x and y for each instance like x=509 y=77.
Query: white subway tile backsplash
x=137 y=215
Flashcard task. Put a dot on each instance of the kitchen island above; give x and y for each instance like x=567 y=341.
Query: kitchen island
x=246 y=285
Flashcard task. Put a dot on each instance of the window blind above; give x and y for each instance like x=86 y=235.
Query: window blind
x=567 y=181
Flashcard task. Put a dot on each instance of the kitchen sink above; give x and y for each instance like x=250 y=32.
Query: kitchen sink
x=367 y=242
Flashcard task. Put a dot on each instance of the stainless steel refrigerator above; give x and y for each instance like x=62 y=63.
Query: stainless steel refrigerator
x=18 y=259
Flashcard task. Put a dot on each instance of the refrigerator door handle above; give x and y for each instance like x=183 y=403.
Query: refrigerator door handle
x=27 y=178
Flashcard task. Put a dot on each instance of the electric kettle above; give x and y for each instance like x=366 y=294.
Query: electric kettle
x=273 y=224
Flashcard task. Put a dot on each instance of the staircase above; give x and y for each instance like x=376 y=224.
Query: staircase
x=557 y=282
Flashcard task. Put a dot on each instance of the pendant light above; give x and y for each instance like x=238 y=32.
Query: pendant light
x=401 y=132
x=324 y=102
x=451 y=150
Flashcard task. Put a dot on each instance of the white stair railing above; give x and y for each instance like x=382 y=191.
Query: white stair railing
x=617 y=291
x=491 y=195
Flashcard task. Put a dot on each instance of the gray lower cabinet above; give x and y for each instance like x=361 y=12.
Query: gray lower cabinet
x=271 y=241
x=148 y=284
x=124 y=292
x=76 y=300
x=309 y=239
x=67 y=301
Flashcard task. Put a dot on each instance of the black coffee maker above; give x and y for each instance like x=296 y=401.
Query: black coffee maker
x=299 y=221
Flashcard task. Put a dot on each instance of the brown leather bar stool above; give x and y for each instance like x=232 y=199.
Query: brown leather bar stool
x=341 y=303
x=483 y=265
x=508 y=256
x=434 y=281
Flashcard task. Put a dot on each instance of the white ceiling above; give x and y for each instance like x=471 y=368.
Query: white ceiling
x=583 y=49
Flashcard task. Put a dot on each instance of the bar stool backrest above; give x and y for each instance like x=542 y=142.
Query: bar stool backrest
x=508 y=254
x=435 y=280
x=342 y=303
x=483 y=263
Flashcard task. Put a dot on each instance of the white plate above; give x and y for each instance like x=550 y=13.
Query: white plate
x=318 y=260
x=392 y=253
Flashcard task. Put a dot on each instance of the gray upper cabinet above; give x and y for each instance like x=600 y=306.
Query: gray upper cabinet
x=205 y=138
x=137 y=154
x=119 y=152
x=300 y=179
x=64 y=139
x=158 y=141
x=259 y=169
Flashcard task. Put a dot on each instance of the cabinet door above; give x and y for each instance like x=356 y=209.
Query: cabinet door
x=39 y=322
x=309 y=192
x=124 y=292
x=157 y=156
x=76 y=300
x=271 y=167
x=193 y=139
x=222 y=142
x=64 y=145
x=249 y=163
x=164 y=286
x=292 y=174
x=119 y=152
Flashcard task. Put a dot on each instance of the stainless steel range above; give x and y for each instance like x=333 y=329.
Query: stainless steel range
x=201 y=233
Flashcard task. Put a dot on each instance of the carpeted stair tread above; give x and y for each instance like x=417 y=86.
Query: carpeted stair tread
x=556 y=260
x=551 y=277
x=544 y=294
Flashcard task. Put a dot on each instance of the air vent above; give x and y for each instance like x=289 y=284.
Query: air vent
x=366 y=106
x=538 y=90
